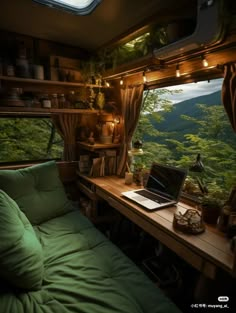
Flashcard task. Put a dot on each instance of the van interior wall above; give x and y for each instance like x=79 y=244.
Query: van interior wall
x=39 y=48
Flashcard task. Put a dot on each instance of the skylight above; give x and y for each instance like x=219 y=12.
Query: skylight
x=79 y=7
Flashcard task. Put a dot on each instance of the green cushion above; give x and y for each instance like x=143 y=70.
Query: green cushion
x=37 y=190
x=21 y=257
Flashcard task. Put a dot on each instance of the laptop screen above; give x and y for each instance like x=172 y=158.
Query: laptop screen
x=166 y=180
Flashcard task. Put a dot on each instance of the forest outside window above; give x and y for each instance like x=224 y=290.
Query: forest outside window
x=181 y=122
x=28 y=139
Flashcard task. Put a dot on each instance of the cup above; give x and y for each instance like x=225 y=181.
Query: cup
x=128 y=178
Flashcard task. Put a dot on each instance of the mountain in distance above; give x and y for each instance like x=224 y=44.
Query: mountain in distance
x=174 y=123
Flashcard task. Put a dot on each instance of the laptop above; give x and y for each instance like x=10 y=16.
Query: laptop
x=163 y=188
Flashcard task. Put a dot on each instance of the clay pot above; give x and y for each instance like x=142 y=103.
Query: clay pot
x=210 y=214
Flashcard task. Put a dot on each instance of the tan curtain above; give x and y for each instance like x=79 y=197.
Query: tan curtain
x=229 y=93
x=66 y=125
x=131 y=103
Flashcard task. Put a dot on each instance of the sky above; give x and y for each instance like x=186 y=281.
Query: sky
x=193 y=90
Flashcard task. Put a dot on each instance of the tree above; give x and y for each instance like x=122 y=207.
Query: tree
x=212 y=138
x=28 y=139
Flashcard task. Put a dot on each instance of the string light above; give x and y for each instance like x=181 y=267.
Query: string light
x=204 y=61
x=177 y=73
x=144 y=78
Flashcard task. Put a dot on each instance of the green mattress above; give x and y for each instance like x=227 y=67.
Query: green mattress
x=83 y=272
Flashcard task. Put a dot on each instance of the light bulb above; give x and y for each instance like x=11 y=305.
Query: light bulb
x=204 y=62
x=144 y=78
x=177 y=73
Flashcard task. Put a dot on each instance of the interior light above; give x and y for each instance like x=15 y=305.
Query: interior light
x=204 y=62
x=107 y=84
x=144 y=78
x=116 y=119
x=121 y=81
x=79 y=7
x=177 y=73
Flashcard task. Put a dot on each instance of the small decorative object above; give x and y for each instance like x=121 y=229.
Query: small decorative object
x=116 y=139
x=211 y=208
x=128 y=175
x=100 y=101
x=91 y=140
x=38 y=72
x=138 y=175
x=190 y=222
x=231 y=227
x=128 y=178
x=91 y=98
x=137 y=148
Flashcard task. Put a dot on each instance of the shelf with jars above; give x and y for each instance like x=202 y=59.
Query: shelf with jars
x=26 y=95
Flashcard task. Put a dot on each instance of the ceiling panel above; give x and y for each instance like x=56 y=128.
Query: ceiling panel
x=110 y=19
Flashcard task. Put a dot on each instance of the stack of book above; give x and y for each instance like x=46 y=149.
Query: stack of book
x=84 y=164
x=104 y=164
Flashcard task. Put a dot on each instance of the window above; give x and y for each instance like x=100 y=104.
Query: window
x=79 y=7
x=180 y=122
x=28 y=138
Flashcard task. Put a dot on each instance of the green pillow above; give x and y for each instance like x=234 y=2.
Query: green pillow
x=37 y=190
x=21 y=256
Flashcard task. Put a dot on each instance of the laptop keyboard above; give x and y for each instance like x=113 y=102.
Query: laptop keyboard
x=152 y=196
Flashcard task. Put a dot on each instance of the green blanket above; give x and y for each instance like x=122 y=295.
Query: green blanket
x=84 y=273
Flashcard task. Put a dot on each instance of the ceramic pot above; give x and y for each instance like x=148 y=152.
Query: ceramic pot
x=210 y=214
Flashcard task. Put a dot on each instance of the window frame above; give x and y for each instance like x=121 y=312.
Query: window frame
x=70 y=8
x=26 y=162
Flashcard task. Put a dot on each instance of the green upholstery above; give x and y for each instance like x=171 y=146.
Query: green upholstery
x=21 y=256
x=83 y=271
x=37 y=190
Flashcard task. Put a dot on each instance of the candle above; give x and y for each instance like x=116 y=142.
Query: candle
x=128 y=178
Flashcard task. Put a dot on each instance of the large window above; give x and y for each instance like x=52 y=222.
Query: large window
x=24 y=139
x=179 y=123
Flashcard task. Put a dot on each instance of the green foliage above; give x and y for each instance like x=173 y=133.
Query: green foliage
x=208 y=133
x=28 y=139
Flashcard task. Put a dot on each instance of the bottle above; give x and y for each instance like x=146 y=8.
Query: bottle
x=54 y=101
x=61 y=101
x=71 y=99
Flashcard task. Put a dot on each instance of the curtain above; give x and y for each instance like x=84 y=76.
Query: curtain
x=66 y=124
x=131 y=103
x=229 y=93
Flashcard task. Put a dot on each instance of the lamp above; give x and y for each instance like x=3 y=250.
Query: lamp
x=198 y=167
x=121 y=81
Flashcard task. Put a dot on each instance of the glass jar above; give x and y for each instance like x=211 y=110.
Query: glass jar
x=61 y=101
x=71 y=99
x=46 y=102
x=54 y=101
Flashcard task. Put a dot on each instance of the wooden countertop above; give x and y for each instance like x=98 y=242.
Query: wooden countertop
x=205 y=251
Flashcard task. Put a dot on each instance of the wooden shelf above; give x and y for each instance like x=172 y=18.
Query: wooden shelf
x=48 y=82
x=42 y=111
x=97 y=146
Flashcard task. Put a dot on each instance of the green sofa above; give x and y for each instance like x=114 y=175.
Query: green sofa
x=52 y=259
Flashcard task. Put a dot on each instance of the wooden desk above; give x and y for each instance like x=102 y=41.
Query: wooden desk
x=206 y=252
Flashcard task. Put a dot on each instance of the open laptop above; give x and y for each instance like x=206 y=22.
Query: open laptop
x=163 y=188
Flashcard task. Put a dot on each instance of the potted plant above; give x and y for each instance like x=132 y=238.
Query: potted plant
x=211 y=206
